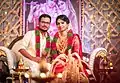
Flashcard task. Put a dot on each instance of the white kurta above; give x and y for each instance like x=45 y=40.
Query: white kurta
x=28 y=43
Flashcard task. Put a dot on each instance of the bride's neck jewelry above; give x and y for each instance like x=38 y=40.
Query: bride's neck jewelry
x=62 y=44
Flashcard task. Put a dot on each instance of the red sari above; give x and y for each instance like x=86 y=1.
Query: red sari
x=74 y=44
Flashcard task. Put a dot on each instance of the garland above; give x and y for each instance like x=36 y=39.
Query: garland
x=54 y=51
x=37 y=39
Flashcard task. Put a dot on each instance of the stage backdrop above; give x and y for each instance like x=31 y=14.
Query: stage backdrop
x=32 y=9
x=101 y=25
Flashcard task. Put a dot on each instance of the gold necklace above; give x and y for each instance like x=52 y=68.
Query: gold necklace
x=61 y=44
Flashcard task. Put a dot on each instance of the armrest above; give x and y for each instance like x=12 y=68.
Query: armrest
x=11 y=59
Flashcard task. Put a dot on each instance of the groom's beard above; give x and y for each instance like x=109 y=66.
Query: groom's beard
x=43 y=30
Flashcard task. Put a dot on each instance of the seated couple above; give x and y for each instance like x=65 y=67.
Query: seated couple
x=64 y=50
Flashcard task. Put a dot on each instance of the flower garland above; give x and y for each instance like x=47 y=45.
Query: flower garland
x=54 y=51
x=37 y=39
